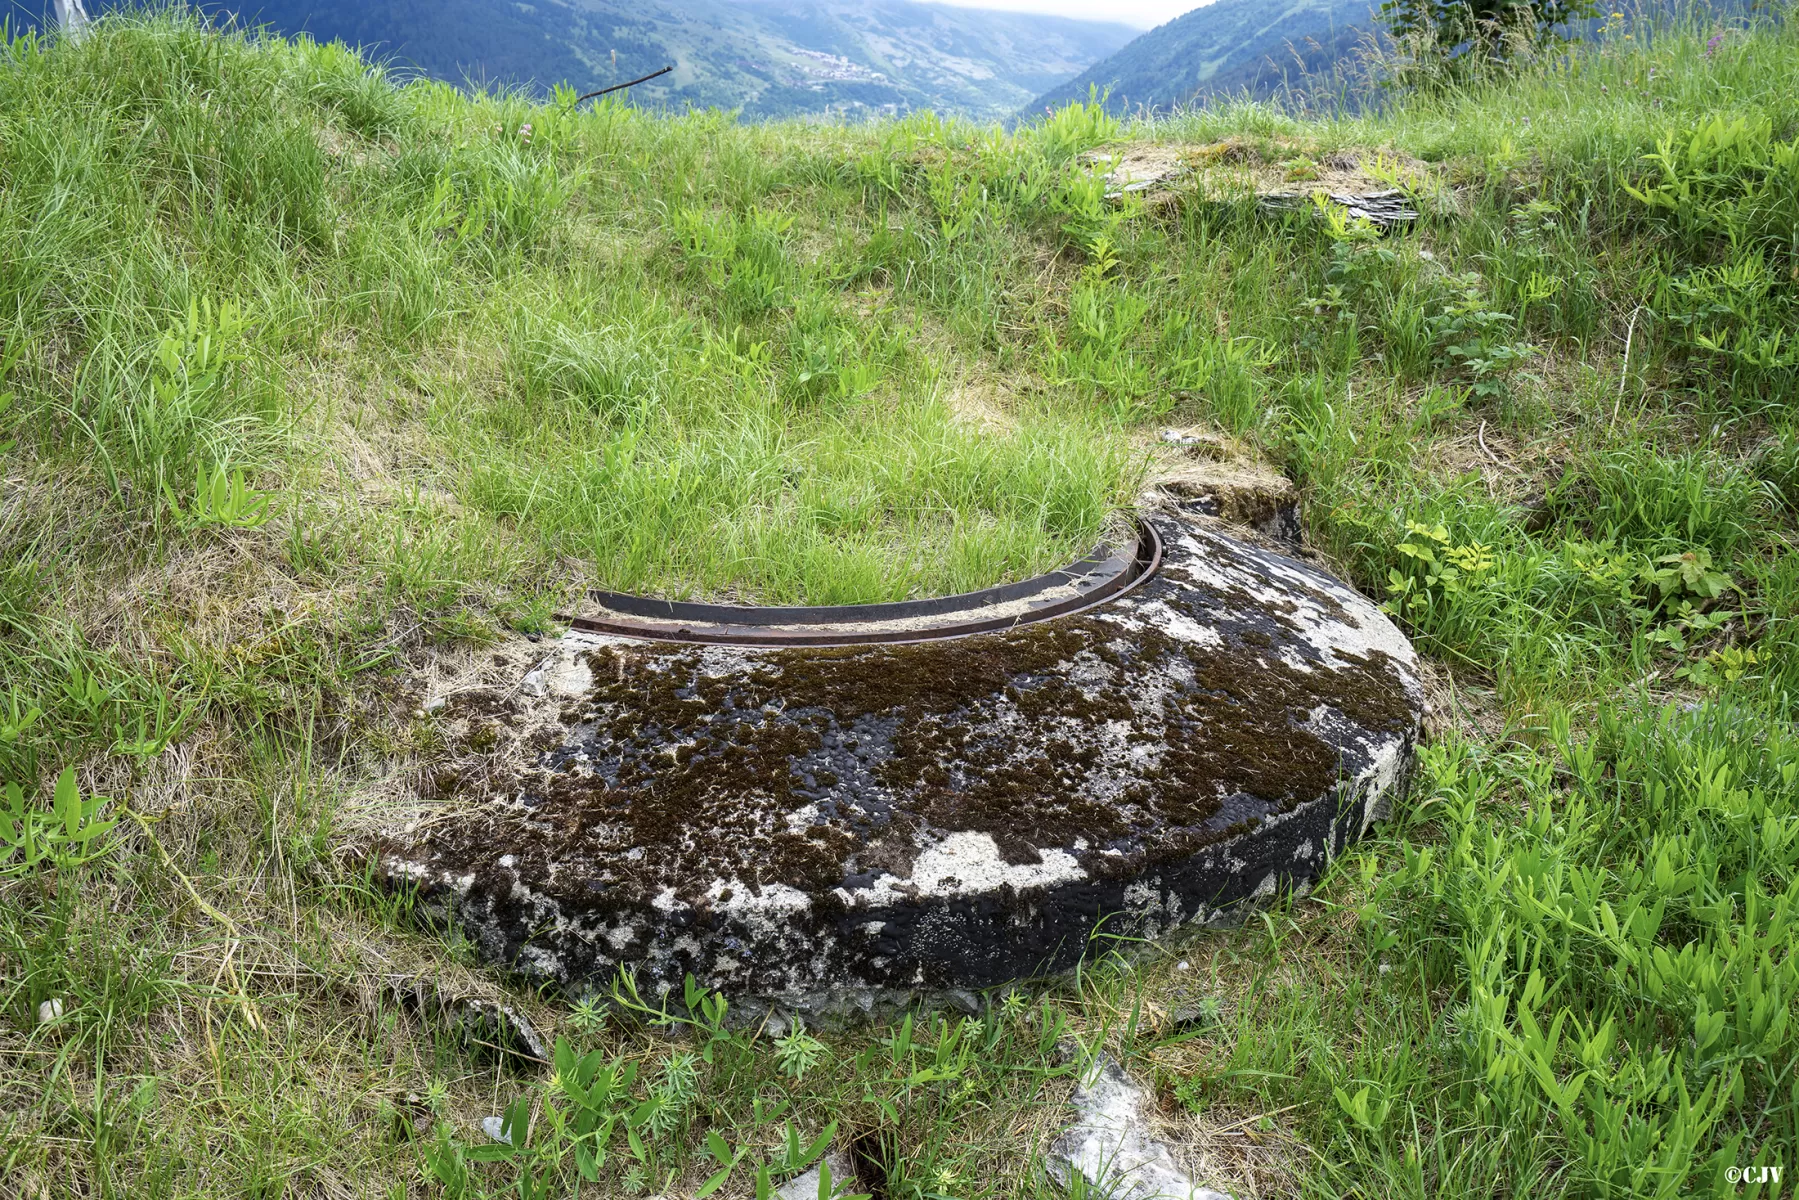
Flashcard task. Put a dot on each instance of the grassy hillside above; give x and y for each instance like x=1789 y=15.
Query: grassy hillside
x=311 y=381
x=767 y=59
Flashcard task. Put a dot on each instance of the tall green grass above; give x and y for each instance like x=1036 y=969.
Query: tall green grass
x=183 y=193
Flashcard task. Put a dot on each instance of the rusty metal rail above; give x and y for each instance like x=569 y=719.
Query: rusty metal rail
x=1102 y=576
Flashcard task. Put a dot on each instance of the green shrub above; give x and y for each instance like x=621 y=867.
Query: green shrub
x=1727 y=191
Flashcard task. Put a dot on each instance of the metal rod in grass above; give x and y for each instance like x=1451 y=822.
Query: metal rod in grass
x=619 y=87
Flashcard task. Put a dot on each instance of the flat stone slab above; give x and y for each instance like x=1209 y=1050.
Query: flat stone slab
x=1163 y=173
x=828 y=830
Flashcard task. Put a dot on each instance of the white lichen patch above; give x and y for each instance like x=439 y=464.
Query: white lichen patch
x=737 y=897
x=1182 y=626
x=965 y=864
x=1333 y=619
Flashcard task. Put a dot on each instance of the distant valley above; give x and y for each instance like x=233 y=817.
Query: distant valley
x=768 y=58
x=838 y=58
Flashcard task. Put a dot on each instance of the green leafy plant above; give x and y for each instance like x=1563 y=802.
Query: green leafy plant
x=156 y=727
x=827 y=358
x=795 y=1155
x=1100 y=353
x=1074 y=128
x=1300 y=169
x=585 y=1103
x=1777 y=467
x=704 y=1014
x=1440 y=570
x=909 y=1077
x=597 y=1101
x=17 y=718
x=1475 y=339
x=1341 y=226
x=797 y=1051
x=591 y=1101
x=1727 y=176
x=589 y=1015
x=744 y=258
x=1433 y=323
x=1735 y=314
x=1089 y=219
x=192 y=406
x=959 y=198
x=1396 y=173
x=84 y=696
x=1358 y=272
x=72 y=832
x=1687 y=626
x=1728 y=188
x=1689 y=574
x=192 y=356
x=1729 y=664
x=220 y=499
x=1365 y=1109
x=9 y=358
x=1625 y=997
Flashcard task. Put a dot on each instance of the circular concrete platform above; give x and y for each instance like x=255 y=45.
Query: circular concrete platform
x=830 y=829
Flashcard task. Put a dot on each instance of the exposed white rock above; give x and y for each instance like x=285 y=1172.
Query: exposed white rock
x=805 y=1186
x=1112 y=1147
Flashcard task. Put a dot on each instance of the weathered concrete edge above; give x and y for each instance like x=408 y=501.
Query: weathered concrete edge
x=1307 y=838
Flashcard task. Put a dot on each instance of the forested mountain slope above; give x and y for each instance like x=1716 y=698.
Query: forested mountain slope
x=1230 y=46
x=768 y=59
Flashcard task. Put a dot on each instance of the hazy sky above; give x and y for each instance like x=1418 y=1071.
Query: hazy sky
x=1141 y=13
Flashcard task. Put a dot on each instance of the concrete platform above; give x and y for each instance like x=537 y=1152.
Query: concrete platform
x=834 y=830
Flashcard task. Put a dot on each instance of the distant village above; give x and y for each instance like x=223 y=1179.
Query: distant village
x=835 y=68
